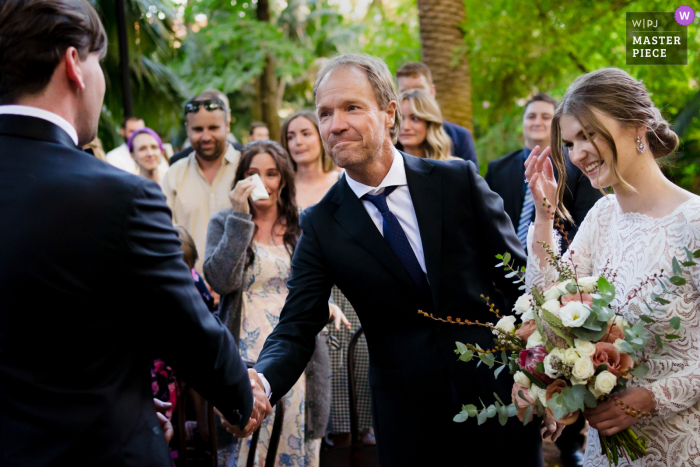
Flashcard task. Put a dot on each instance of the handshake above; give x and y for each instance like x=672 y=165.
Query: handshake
x=261 y=409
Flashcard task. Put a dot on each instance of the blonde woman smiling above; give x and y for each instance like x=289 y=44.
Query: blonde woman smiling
x=422 y=134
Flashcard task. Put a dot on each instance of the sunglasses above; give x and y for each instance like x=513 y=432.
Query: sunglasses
x=209 y=105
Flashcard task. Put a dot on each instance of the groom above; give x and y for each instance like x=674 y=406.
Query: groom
x=400 y=234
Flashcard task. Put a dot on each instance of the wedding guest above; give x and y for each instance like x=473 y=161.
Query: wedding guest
x=146 y=149
x=191 y=255
x=248 y=255
x=119 y=156
x=422 y=134
x=258 y=131
x=197 y=186
x=417 y=75
x=615 y=134
x=315 y=175
x=187 y=147
x=506 y=176
x=93 y=280
x=95 y=148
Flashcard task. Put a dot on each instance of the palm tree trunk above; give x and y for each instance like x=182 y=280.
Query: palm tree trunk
x=268 y=87
x=443 y=49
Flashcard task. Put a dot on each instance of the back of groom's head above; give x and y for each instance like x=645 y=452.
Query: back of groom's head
x=34 y=36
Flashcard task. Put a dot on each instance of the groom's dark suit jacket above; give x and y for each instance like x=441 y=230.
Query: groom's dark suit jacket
x=92 y=284
x=416 y=382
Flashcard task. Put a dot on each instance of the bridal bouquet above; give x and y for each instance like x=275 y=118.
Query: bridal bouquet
x=572 y=348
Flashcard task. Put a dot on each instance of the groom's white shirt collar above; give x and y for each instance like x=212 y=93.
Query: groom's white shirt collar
x=395 y=177
x=44 y=115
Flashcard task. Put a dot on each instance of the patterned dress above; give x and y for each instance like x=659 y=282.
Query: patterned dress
x=636 y=246
x=265 y=292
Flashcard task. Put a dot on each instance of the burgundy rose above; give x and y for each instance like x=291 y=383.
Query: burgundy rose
x=531 y=357
x=607 y=354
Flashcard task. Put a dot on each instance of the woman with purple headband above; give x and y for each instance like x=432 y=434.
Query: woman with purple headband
x=146 y=148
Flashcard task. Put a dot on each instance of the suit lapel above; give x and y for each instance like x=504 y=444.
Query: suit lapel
x=426 y=195
x=34 y=128
x=353 y=218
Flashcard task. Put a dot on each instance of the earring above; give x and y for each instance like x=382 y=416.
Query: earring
x=640 y=145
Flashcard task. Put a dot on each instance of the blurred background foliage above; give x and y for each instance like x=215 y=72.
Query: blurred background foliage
x=180 y=47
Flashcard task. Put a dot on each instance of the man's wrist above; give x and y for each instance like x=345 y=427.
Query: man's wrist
x=266 y=385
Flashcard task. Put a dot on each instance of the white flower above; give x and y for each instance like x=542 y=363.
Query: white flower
x=506 y=324
x=548 y=364
x=618 y=321
x=583 y=368
x=575 y=380
x=552 y=306
x=574 y=314
x=584 y=348
x=570 y=356
x=537 y=392
x=594 y=391
x=618 y=343
x=534 y=340
x=528 y=315
x=605 y=382
x=521 y=379
x=556 y=291
x=588 y=284
x=523 y=304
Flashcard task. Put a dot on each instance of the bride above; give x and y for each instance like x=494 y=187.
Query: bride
x=614 y=134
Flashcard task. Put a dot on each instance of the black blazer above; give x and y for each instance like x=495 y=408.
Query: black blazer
x=416 y=382
x=93 y=284
x=506 y=176
x=462 y=142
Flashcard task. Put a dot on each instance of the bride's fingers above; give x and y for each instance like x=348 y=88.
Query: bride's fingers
x=542 y=158
x=549 y=171
x=530 y=164
x=532 y=154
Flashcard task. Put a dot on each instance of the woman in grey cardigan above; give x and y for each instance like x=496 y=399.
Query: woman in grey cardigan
x=247 y=261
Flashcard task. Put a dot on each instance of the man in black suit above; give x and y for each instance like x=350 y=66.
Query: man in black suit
x=506 y=176
x=92 y=278
x=412 y=75
x=400 y=234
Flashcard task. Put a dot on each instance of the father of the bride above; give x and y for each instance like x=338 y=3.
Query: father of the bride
x=398 y=234
x=92 y=280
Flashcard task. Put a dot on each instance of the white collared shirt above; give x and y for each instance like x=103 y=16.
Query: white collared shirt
x=399 y=202
x=42 y=114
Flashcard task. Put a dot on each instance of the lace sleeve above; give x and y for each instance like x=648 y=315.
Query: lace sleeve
x=580 y=250
x=680 y=388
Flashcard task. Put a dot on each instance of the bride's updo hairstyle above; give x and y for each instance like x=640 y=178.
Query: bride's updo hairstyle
x=615 y=93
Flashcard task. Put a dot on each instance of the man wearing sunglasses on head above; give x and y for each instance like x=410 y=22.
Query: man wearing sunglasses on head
x=197 y=186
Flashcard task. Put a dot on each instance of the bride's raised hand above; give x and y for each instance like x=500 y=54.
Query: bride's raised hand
x=540 y=174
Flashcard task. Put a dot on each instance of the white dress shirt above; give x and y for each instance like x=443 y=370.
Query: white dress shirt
x=399 y=203
x=42 y=114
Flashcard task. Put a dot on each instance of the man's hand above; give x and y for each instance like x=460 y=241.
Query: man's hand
x=550 y=428
x=165 y=425
x=261 y=409
x=609 y=418
x=338 y=317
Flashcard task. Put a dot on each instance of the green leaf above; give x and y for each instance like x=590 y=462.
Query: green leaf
x=512 y=410
x=521 y=394
x=528 y=414
x=696 y=254
x=498 y=398
x=461 y=417
x=537 y=296
x=503 y=415
x=499 y=256
x=637 y=341
x=491 y=411
x=606 y=290
x=471 y=410
x=482 y=417
x=641 y=370
x=506 y=258
x=523 y=269
x=564 y=335
x=601 y=368
x=677 y=280
x=462 y=348
x=658 y=299
x=488 y=359
x=651 y=310
x=688 y=264
x=571 y=288
x=647 y=319
x=589 y=335
x=604 y=314
x=626 y=347
x=534 y=379
x=676 y=267
x=675 y=322
x=539 y=367
x=688 y=254
x=588 y=398
x=659 y=342
x=498 y=371
x=672 y=336
x=467 y=356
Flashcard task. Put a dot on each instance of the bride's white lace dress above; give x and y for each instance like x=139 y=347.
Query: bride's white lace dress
x=636 y=246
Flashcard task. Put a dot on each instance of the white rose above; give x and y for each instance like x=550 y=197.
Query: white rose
x=521 y=379
x=574 y=380
x=552 y=306
x=583 y=368
x=588 y=284
x=570 y=356
x=523 y=304
x=537 y=392
x=553 y=293
x=506 y=324
x=594 y=391
x=605 y=382
x=618 y=343
x=534 y=340
x=574 y=314
x=528 y=315
x=584 y=348
x=549 y=369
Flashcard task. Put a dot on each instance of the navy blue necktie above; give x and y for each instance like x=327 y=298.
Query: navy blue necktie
x=397 y=240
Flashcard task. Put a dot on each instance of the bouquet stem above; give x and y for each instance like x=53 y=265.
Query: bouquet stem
x=623 y=444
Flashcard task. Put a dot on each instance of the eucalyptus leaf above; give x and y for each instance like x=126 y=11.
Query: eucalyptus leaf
x=675 y=322
x=506 y=258
x=659 y=342
x=482 y=417
x=647 y=319
x=640 y=371
x=491 y=411
x=534 y=379
x=461 y=347
x=488 y=359
x=471 y=410
x=626 y=347
x=571 y=288
x=512 y=410
x=672 y=336
x=688 y=253
x=503 y=415
x=676 y=267
x=467 y=356
x=461 y=417
x=528 y=414
x=677 y=280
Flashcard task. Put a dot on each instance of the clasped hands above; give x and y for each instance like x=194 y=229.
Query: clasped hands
x=261 y=409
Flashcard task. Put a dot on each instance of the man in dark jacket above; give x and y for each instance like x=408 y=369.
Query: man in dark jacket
x=92 y=277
